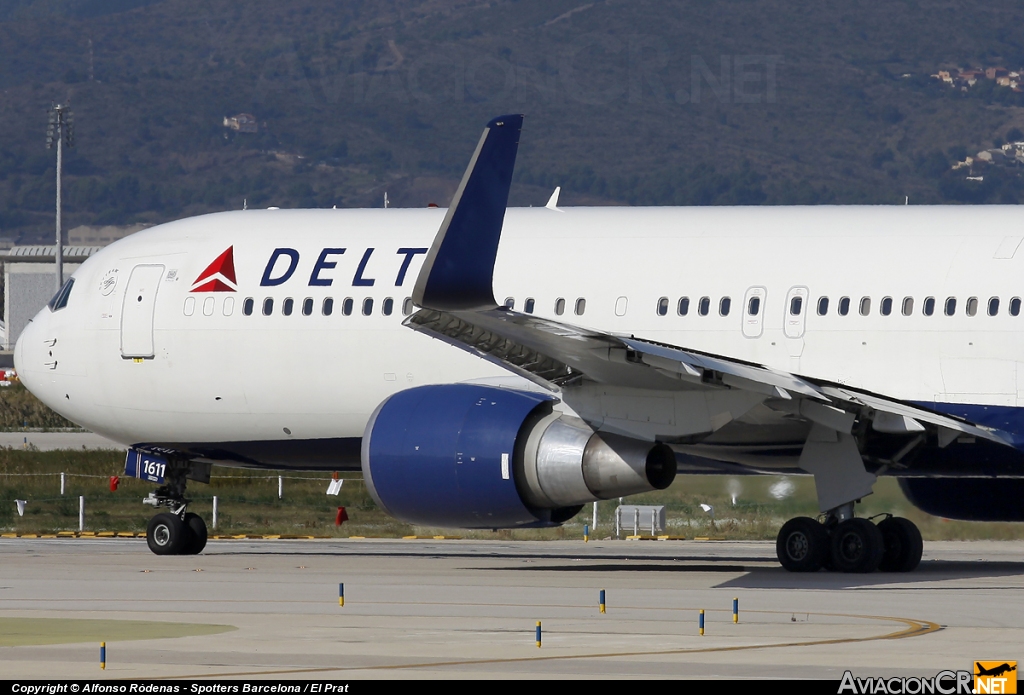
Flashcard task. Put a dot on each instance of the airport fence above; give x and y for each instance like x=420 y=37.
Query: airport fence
x=289 y=503
x=51 y=501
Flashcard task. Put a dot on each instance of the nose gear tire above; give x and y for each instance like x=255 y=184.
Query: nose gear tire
x=166 y=534
x=197 y=535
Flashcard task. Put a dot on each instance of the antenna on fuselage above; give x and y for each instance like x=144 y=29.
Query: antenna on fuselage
x=385 y=200
x=553 y=200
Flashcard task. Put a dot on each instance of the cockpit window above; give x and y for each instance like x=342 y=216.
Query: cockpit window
x=60 y=300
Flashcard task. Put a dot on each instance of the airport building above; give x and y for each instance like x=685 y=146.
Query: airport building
x=29 y=270
x=30 y=281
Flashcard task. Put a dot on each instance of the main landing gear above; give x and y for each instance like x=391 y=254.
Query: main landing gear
x=847 y=544
x=176 y=531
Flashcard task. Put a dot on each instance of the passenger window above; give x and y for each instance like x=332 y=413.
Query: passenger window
x=190 y=306
x=844 y=306
x=559 y=306
x=388 y=306
x=704 y=306
x=328 y=307
x=287 y=306
x=1015 y=306
x=229 y=306
x=993 y=306
x=662 y=306
x=724 y=306
x=972 y=306
x=929 y=306
x=510 y=303
x=796 y=305
x=823 y=306
x=528 y=307
x=208 y=306
x=307 y=306
x=581 y=306
x=620 y=306
x=367 y=306
x=683 y=306
x=754 y=306
x=865 y=306
x=346 y=306
x=247 y=306
x=268 y=306
x=886 y=306
x=950 y=306
x=908 y=306
x=407 y=306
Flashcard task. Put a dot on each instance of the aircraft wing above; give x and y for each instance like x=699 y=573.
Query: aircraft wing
x=455 y=292
x=555 y=354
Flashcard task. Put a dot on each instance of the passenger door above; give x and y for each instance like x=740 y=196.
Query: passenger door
x=137 y=311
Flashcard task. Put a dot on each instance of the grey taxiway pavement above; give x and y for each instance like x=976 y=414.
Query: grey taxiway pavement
x=468 y=609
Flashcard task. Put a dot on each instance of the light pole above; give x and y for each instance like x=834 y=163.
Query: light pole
x=61 y=132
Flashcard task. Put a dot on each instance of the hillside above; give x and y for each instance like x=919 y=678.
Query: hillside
x=734 y=101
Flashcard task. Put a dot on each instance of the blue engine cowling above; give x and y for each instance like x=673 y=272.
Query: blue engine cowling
x=473 y=456
x=443 y=456
x=967 y=499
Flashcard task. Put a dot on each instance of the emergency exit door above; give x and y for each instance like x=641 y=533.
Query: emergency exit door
x=138 y=310
x=753 y=312
x=795 y=323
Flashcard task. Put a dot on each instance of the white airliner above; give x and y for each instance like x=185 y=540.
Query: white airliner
x=487 y=368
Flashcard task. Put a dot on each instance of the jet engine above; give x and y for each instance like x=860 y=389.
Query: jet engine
x=470 y=456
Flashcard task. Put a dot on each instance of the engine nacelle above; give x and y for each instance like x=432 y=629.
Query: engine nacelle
x=967 y=499
x=469 y=456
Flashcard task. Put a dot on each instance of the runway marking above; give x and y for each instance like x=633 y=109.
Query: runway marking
x=913 y=628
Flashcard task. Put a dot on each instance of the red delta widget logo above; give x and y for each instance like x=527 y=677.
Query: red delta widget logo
x=219 y=276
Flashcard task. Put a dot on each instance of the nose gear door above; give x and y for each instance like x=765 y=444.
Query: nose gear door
x=138 y=310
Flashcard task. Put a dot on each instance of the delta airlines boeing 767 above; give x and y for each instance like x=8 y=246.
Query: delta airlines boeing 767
x=493 y=368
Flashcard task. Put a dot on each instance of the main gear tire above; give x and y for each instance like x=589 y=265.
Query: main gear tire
x=802 y=545
x=857 y=546
x=903 y=545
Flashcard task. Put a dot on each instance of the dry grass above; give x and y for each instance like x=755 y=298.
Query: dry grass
x=19 y=408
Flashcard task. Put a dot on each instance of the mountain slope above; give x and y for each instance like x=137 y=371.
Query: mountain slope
x=735 y=101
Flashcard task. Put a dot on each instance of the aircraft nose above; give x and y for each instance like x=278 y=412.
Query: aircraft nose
x=28 y=360
x=19 y=350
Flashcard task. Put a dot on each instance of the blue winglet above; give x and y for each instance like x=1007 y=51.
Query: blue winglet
x=459 y=268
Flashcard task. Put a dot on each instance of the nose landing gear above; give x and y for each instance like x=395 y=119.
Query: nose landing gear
x=177 y=531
